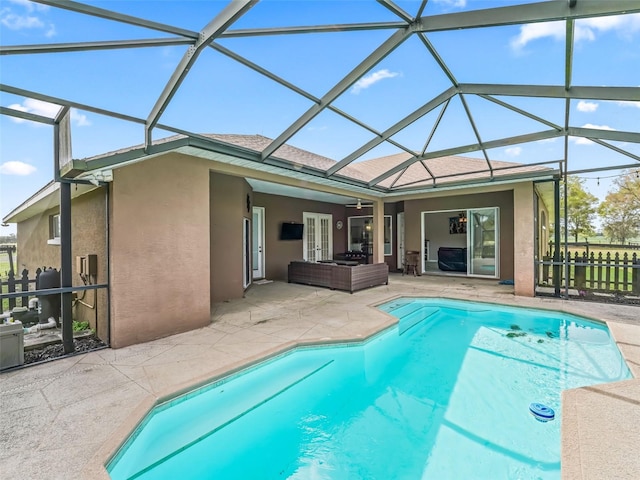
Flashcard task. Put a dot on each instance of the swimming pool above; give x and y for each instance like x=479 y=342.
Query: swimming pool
x=444 y=394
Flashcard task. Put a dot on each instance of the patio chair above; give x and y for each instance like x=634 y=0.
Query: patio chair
x=411 y=262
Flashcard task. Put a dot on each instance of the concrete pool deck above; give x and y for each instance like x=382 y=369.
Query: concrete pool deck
x=63 y=419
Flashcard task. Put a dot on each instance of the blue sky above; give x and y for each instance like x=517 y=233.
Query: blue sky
x=220 y=95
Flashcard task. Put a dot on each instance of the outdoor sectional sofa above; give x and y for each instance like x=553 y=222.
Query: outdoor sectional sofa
x=339 y=275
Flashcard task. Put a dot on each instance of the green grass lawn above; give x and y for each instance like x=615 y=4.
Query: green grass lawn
x=4 y=270
x=603 y=239
x=4 y=265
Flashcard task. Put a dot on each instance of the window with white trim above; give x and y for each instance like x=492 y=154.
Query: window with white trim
x=54 y=229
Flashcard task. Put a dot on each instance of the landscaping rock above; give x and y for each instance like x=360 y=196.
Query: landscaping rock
x=82 y=345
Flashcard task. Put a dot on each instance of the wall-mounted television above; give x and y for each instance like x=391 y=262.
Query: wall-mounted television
x=291 y=231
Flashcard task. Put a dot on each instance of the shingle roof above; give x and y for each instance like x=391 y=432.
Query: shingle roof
x=445 y=169
x=286 y=152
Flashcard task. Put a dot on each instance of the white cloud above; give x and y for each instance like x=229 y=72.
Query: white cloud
x=534 y=31
x=37 y=107
x=587 y=106
x=49 y=110
x=25 y=19
x=80 y=119
x=624 y=25
x=453 y=3
x=513 y=151
x=30 y=6
x=586 y=141
x=629 y=104
x=585 y=29
x=41 y=108
x=375 y=77
x=15 y=167
x=19 y=22
x=598 y=127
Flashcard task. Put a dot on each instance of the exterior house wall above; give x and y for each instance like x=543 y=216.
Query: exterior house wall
x=160 y=248
x=279 y=209
x=88 y=220
x=228 y=207
x=502 y=199
x=33 y=250
x=524 y=231
x=176 y=240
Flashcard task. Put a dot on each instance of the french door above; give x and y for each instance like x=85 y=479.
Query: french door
x=257 y=242
x=318 y=236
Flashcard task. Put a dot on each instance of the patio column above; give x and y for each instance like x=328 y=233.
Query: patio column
x=378 y=231
x=524 y=239
x=62 y=156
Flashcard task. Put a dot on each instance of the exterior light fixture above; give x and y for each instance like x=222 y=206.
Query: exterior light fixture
x=359 y=205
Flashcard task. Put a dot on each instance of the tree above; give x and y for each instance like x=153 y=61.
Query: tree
x=581 y=208
x=620 y=210
x=11 y=238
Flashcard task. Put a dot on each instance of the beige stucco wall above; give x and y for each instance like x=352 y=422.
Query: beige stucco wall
x=160 y=248
x=524 y=229
x=33 y=250
x=228 y=208
x=176 y=240
x=88 y=213
x=279 y=209
x=458 y=201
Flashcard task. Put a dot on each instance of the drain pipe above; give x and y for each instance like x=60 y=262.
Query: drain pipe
x=51 y=323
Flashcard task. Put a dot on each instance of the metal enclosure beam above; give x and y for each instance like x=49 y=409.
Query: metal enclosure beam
x=631 y=94
x=85 y=46
x=346 y=27
x=521 y=112
x=396 y=10
x=352 y=77
x=436 y=124
x=406 y=121
x=614 y=135
x=59 y=101
x=615 y=149
x=62 y=146
x=33 y=117
x=556 y=237
x=503 y=142
x=436 y=56
x=118 y=17
x=223 y=20
x=476 y=133
x=568 y=61
x=527 y=13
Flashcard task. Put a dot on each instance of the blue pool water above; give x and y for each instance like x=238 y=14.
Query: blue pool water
x=444 y=395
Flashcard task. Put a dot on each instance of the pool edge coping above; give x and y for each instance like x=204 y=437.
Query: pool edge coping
x=96 y=467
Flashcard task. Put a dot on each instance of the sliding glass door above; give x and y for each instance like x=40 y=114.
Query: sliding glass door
x=483 y=242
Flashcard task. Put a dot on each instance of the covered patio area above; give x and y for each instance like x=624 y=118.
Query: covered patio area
x=64 y=419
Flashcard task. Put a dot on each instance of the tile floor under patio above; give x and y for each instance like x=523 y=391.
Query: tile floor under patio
x=62 y=419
